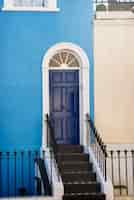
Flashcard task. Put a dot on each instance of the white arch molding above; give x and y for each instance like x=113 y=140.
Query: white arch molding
x=84 y=99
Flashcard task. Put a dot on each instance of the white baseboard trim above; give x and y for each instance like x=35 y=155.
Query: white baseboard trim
x=120 y=147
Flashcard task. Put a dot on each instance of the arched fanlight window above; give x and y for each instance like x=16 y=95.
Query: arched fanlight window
x=64 y=58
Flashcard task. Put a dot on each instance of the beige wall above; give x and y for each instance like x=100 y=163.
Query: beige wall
x=114 y=80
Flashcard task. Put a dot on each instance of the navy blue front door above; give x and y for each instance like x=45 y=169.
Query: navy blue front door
x=64 y=105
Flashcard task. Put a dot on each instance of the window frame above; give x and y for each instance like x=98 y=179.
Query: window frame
x=9 y=6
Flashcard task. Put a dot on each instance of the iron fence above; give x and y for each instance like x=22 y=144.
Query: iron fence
x=120 y=168
x=118 y=165
x=21 y=173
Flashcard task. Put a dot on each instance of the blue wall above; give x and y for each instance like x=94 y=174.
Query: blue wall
x=24 y=39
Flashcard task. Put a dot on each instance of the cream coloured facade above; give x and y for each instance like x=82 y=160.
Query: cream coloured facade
x=114 y=80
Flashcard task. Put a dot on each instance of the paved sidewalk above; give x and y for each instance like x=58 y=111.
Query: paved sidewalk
x=124 y=198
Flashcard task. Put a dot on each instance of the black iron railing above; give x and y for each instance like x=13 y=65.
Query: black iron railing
x=23 y=173
x=52 y=144
x=118 y=165
x=98 y=147
x=120 y=168
x=42 y=180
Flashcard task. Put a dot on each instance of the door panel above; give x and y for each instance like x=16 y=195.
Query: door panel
x=57 y=100
x=64 y=105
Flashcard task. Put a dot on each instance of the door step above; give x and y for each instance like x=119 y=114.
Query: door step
x=65 y=148
x=79 y=176
x=73 y=157
x=82 y=187
x=84 y=196
x=76 y=166
x=79 y=180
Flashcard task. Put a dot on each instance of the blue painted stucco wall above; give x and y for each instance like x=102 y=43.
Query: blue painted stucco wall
x=24 y=39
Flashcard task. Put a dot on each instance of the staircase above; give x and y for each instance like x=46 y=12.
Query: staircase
x=77 y=174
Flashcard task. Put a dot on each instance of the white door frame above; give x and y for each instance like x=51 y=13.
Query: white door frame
x=84 y=100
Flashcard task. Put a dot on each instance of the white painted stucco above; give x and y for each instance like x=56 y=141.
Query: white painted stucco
x=114 y=80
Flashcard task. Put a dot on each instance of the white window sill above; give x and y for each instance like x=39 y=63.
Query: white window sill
x=35 y=9
x=114 y=15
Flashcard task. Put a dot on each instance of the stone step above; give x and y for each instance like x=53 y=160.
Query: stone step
x=85 y=196
x=75 y=166
x=70 y=148
x=73 y=157
x=80 y=176
x=77 y=174
x=75 y=188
